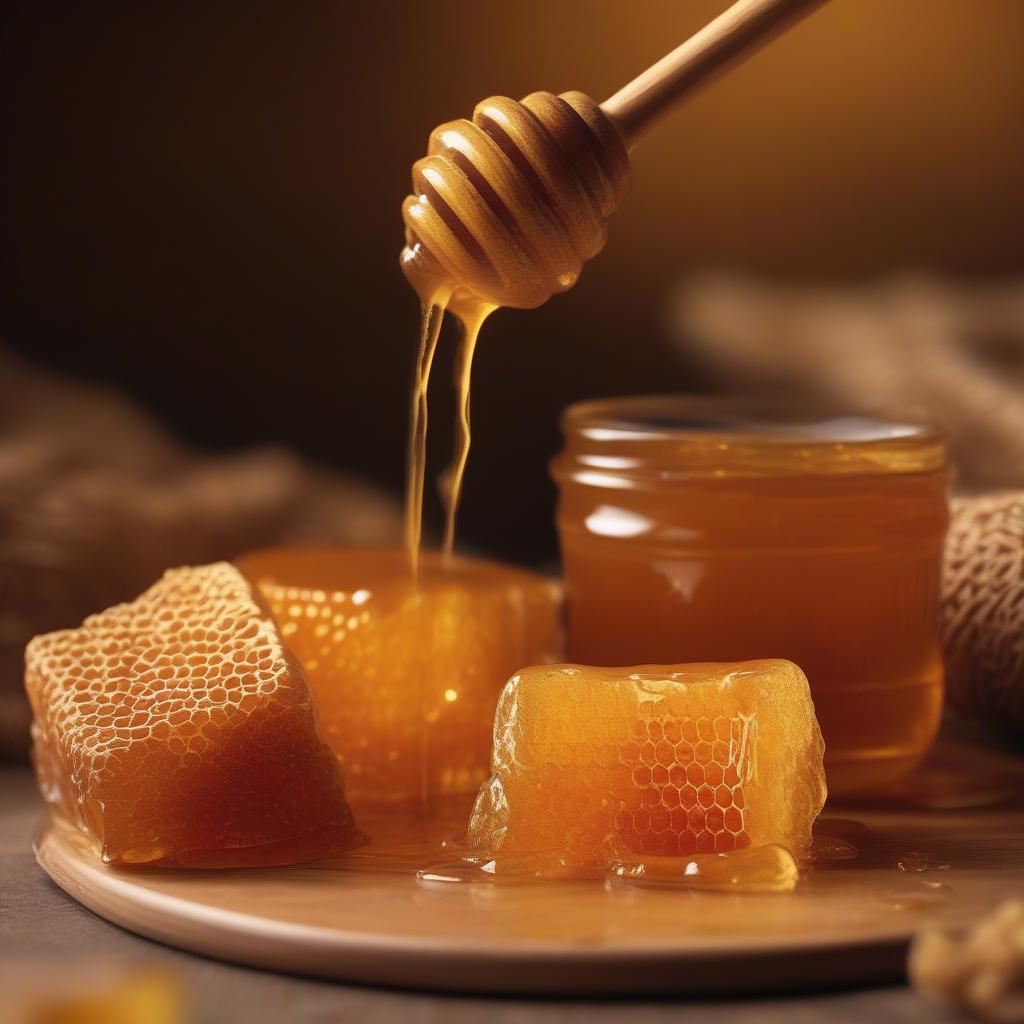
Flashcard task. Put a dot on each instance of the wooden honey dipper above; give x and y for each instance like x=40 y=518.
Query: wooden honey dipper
x=509 y=206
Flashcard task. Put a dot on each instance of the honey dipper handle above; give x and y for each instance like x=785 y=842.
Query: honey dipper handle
x=736 y=31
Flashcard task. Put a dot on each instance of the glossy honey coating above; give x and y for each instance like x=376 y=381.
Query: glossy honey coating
x=608 y=766
x=407 y=676
x=177 y=728
x=507 y=207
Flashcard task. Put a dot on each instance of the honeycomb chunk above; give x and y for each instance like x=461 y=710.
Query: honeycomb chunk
x=407 y=679
x=601 y=764
x=178 y=729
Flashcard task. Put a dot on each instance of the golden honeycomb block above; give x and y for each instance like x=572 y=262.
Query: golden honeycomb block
x=594 y=764
x=178 y=729
x=407 y=677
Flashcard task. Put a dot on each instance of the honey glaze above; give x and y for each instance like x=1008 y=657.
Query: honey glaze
x=406 y=675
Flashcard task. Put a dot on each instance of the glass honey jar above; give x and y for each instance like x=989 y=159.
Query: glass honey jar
x=700 y=529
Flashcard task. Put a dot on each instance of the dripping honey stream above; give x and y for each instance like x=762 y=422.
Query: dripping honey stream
x=432 y=316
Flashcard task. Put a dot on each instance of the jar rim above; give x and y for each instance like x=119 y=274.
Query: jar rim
x=691 y=435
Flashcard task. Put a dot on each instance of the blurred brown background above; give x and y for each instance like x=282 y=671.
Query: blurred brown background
x=201 y=203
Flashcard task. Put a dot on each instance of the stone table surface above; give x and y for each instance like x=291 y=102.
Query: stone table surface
x=39 y=924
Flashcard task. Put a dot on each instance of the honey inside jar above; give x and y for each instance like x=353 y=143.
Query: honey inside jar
x=702 y=530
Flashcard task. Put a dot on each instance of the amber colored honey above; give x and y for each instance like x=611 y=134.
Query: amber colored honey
x=700 y=531
x=471 y=315
x=178 y=729
x=619 y=766
x=406 y=675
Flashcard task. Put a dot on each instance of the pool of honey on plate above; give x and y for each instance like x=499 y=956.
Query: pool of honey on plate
x=696 y=530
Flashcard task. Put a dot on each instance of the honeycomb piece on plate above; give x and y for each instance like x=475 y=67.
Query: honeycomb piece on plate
x=178 y=728
x=407 y=678
x=603 y=764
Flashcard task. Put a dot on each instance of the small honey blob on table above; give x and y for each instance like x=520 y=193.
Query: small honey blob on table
x=407 y=675
x=753 y=869
x=612 y=766
x=178 y=729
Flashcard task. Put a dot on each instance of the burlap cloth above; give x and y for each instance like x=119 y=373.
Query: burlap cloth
x=903 y=348
x=96 y=500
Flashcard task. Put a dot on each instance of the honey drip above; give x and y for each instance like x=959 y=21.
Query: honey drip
x=472 y=322
x=506 y=209
x=432 y=315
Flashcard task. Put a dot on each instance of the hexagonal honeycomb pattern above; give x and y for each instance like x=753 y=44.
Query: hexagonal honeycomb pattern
x=687 y=774
x=652 y=762
x=407 y=678
x=177 y=728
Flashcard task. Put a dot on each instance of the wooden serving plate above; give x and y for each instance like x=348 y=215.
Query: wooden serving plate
x=848 y=922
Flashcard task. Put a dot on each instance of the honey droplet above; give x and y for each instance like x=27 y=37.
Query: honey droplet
x=919 y=862
x=765 y=869
x=824 y=849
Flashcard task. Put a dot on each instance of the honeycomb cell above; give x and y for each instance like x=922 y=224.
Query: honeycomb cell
x=407 y=677
x=179 y=729
x=566 y=768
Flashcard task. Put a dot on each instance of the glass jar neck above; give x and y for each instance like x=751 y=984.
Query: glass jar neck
x=660 y=440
